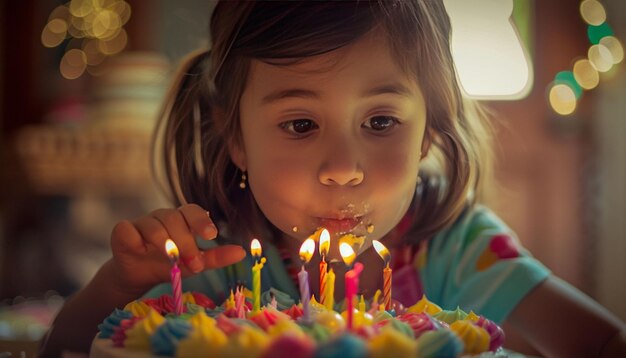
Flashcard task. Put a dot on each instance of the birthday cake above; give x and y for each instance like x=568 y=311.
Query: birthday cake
x=282 y=328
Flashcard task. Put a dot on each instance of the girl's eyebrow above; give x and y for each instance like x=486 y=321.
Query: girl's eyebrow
x=392 y=88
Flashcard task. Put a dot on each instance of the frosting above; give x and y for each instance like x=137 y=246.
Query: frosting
x=391 y=343
x=475 y=338
x=496 y=334
x=344 y=346
x=419 y=323
x=138 y=337
x=450 y=317
x=165 y=339
x=441 y=343
x=424 y=306
x=109 y=324
x=289 y=346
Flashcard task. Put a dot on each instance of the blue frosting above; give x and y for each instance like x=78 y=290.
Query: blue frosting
x=165 y=339
x=344 y=346
x=441 y=343
x=107 y=327
x=218 y=310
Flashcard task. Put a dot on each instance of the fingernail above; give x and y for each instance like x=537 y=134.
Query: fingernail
x=196 y=264
x=210 y=231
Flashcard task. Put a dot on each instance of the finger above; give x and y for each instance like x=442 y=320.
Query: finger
x=126 y=237
x=223 y=256
x=152 y=232
x=179 y=231
x=199 y=221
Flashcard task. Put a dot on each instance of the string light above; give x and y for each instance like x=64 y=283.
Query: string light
x=91 y=30
x=605 y=51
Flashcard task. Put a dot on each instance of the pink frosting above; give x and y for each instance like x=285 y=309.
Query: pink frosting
x=119 y=333
x=419 y=322
x=265 y=318
x=289 y=346
x=496 y=333
x=294 y=312
x=227 y=325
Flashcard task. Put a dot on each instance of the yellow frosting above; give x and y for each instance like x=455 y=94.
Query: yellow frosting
x=359 y=318
x=138 y=308
x=424 y=306
x=206 y=338
x=391 y=343
x=248 y=342
x=330 y=320
x=475 y=339
x=472 y=317
x=285 y=327
x=138 y=337
x=188 y=298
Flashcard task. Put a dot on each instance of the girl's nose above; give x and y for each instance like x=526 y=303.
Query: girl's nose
x=341 y=169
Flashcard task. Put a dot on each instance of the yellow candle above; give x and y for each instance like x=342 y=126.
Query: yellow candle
x=324 y=245
x=362 y=304
x=255 y=249
x=330 y=290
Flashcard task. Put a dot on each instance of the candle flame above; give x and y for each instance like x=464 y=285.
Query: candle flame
x=255 y=248
x=347 y=253
x=307 y=249
x=171 y=249
x=382 y=251
x=324 y=242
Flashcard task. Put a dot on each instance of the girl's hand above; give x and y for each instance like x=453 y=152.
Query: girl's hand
x=139 y=258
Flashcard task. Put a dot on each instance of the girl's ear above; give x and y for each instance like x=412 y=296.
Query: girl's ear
x=426 y=142
x=237 y=153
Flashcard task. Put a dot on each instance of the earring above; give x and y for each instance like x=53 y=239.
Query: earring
x=244 y=177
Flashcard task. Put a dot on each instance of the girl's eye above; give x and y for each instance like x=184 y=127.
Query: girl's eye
x=299 y=126
x=381 y=123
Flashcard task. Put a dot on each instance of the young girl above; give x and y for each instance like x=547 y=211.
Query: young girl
x=344 y=115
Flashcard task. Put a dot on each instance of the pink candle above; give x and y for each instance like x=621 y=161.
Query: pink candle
x=352 y=286
x=177 y=291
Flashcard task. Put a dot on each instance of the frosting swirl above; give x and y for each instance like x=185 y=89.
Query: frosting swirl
x=107 y=327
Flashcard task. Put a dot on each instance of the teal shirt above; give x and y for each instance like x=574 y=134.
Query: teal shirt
x=477 y=264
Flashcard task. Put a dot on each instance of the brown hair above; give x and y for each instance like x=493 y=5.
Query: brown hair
x=201 y=114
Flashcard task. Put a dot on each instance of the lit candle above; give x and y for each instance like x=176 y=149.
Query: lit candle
x=255 y=249
x=330 y=290
x=306 y=252
x=177 y=291
x=324 y=245
x=386 y=256
x=351 y=279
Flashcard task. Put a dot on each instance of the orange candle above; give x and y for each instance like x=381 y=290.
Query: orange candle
x=324 y=245
x=386 y=256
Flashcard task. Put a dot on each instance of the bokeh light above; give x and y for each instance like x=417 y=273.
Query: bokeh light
x=73 y=64
x=596 y=33
x=96 y=24
x=600 y=57
x=562 y=99
x=615 y=48
x=54 y=33
x=585 y=74
x=567 y=78
x=592 y=12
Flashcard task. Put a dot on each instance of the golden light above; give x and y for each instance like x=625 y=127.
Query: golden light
x=600 y=57
x=347 y=253
x=54 y=33
x=255 y=248
x=113 y=45
x=615 y=48
x=171 y=249
x=562 y=99
x=81 y=8
x=306 y=250
x=324 y=242
x=92 y=51
x=382 y=251
x=73 y=64
x=585 y=74
x=592 y=12
x=105 y=24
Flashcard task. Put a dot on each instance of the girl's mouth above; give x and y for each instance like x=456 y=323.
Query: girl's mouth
x=339 y=226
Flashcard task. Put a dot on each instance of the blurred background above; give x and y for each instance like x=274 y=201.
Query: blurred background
x=82 y=82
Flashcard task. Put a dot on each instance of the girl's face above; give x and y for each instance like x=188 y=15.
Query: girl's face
x=333 y=141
